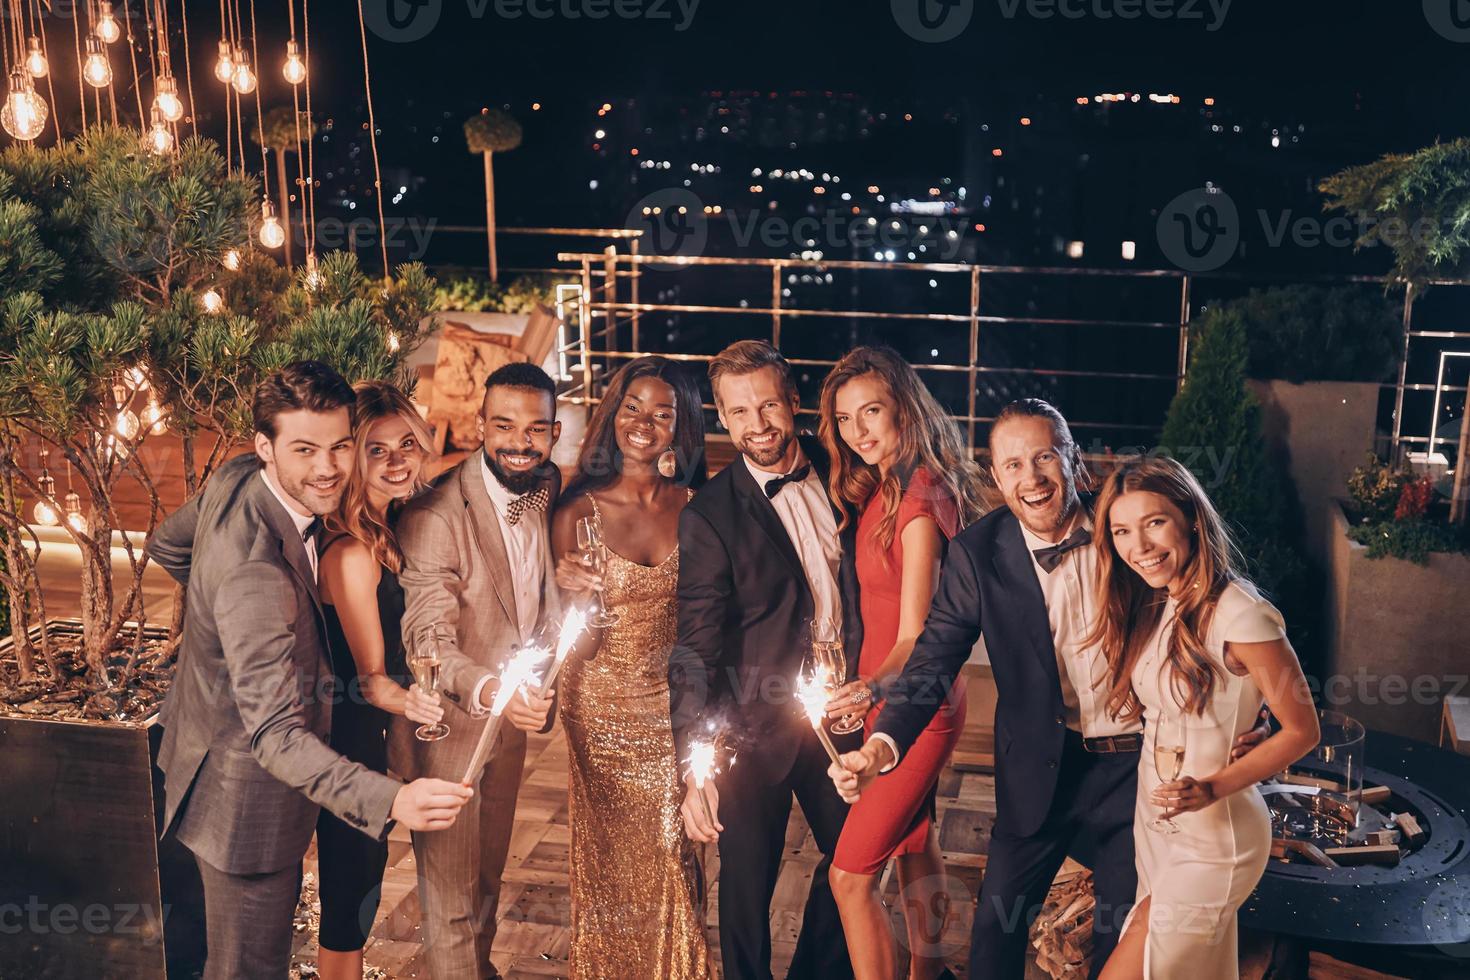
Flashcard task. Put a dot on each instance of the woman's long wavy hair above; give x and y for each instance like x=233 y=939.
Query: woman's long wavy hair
x=378 y=400
x=1131 y=609
x=600 y=462
x=928 y=438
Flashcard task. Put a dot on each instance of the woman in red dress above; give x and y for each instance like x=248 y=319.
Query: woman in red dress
x=901 y=470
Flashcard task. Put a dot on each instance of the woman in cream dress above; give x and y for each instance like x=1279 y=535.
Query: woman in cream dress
x=1196 y=650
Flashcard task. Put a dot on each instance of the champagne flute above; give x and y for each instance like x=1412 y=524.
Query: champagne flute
x=828 y=657
x=1169 y=743
x=594 y=556
x=423 y=662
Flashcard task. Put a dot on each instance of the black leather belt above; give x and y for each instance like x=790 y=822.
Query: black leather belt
x=1131 y=742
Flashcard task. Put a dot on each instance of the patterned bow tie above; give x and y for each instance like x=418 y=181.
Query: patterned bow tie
x=535 y=500
x=1050 y=558
x=313 y=532
x=773 y=487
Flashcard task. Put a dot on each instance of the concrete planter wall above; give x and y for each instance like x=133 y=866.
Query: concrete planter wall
x=1397 y=635
x=1321 y=430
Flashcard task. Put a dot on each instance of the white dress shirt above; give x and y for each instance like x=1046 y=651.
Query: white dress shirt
x=1071 y=606
x=525 y=551
x=806 y=514
x=302 y=523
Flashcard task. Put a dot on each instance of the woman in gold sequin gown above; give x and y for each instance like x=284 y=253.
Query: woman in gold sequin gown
x=637 y=890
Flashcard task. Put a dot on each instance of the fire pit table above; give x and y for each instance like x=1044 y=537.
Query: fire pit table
x=1423 y=901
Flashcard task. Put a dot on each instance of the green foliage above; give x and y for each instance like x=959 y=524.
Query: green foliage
x=283 y=126
x=1375 y=489
x=1214 y=416
x=1418 y=204
x=1316 y=333
x=1412 y=540
x=492 y=131
x=467 y=293
x=125 y=223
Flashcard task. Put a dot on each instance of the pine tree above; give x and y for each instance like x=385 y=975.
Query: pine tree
x=1215 y=420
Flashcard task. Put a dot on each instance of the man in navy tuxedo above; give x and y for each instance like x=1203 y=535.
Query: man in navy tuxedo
x=1065 y=772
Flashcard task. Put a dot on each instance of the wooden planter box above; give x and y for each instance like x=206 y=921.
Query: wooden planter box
x=87 y=889
x=1397 y=636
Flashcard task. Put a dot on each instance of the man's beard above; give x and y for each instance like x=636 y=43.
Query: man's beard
x=312 y=503
x=516 y=483
x=769 y=457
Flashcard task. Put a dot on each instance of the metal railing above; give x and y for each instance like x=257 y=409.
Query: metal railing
x=598 y=307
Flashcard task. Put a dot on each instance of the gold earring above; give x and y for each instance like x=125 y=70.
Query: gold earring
x=668 y=464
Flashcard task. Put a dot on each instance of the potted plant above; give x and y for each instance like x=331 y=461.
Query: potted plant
x=135 y=322
x=1399 y=571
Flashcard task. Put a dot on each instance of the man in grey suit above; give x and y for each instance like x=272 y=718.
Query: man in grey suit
x=477 y=558
x=244 y=754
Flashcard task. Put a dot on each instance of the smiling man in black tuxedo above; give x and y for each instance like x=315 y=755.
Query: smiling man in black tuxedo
x=759 y=560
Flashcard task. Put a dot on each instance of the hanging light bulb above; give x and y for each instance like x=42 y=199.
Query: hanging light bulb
x=136 y=377
x=272 y=235
x=36 y=62
x=166 y=100
x=45 y=511
x=313 y=276
x=97 y=70
x=244 y=78
x=393 y=342
x=160 y=138
x=231 y=260
x=224 y=65
x=212 y=301
x=295 y=68
x=71 y=506
x=126 y=423
x=154 y=417
x=24 y=113
x=107 y=28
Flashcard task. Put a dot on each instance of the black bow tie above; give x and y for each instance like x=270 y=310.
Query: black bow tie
x=773 y=487
x=1050 y=558
x=313 y=532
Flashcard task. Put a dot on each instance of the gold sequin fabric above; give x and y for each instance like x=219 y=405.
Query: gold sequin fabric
x=637 y=911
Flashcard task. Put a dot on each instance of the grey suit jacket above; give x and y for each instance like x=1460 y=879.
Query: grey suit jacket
x=244 y=754
x=456 y=572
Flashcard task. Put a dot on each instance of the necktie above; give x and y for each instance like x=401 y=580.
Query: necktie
x=313 y=532
x=773 y=487
x=535 y=500
x=1050 y=558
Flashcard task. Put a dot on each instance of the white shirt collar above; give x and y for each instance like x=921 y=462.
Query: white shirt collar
x=302 y=523
x=499 y=495
x=762 y=477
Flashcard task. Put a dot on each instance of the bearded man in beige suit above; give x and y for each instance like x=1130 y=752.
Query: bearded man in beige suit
x=477 y=559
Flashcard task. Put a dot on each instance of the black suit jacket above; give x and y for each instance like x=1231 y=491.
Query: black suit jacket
x=745 y=613
x=988 y=585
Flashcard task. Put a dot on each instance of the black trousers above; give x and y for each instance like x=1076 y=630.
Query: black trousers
x=350 y=863
x=755 y=814
x=1091 y=818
